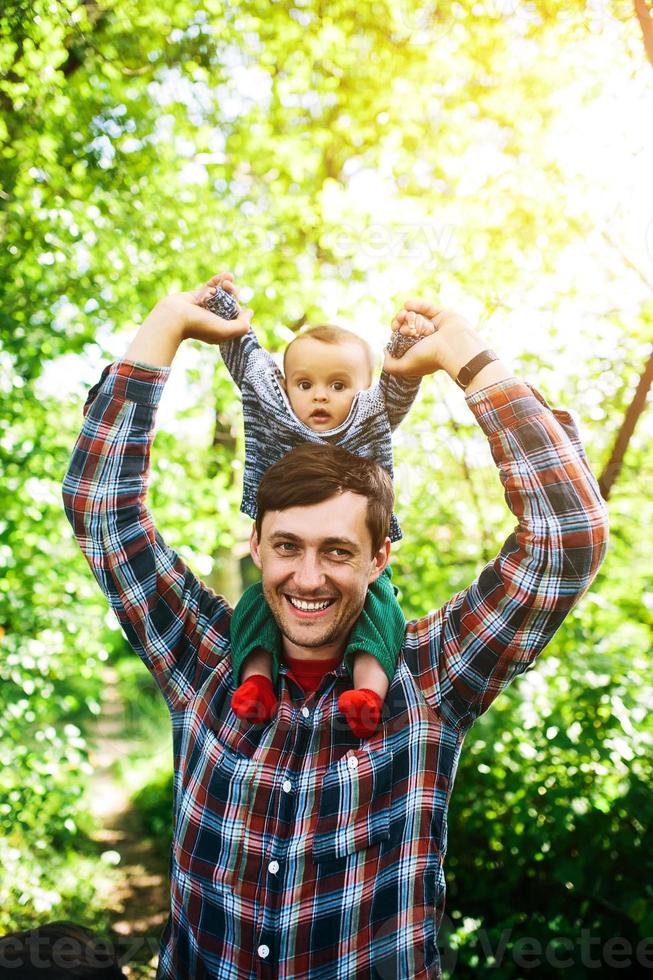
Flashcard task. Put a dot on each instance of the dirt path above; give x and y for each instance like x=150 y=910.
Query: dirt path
x=139 y=904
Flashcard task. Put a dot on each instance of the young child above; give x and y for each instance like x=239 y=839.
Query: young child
x=324 y=394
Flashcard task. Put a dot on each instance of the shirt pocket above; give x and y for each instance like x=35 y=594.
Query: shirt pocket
x=354 y=809
x=213 y=815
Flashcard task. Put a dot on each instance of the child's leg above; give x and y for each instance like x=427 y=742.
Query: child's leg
x=255 y=644
x=371 y=656
x=362 y=707
x=259 y=661
x=369 y=674
x=255 y=700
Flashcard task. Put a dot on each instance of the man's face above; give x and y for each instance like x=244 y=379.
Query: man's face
x=316 y=565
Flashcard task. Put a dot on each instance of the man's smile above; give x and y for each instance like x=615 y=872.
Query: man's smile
x=308 y=608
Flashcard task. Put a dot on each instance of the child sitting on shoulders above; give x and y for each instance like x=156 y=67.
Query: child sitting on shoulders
x=325 y=394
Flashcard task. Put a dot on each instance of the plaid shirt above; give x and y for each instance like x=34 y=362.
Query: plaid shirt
x=300 y=851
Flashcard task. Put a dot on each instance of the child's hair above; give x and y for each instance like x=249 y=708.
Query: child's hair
x=329 y=333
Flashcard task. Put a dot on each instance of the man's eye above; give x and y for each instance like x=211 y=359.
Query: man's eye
x=286 y=546
x=340 y=552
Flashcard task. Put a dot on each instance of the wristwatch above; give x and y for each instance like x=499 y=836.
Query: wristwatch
x=471 y=369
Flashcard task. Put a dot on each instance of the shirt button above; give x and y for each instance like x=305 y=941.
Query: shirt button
x=287 y=786
x=352 y=762
x=263 y=951
x=273 y=867
x=305 y=712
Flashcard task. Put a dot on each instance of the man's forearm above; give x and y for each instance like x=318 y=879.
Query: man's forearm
x=461 y=348
x=157 y=340
x=452 y=345
x=489 y=375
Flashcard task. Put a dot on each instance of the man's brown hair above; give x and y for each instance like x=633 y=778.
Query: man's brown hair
x=314 y=472
x=329 y=333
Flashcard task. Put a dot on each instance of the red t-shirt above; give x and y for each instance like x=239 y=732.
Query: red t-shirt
x=309 y=673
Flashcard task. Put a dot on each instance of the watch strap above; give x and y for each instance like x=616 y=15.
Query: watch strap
x=469 y=371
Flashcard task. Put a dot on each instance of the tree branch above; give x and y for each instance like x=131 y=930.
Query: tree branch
x=629 y=262
x=77 y=50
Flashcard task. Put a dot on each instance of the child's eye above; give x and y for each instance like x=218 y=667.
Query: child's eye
x=339 y=385
x=304 y=385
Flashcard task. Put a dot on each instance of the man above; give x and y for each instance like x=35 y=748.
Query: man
x=300 y=851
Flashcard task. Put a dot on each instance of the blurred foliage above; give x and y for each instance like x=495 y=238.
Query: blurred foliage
x=143 y=148
x=153 y=804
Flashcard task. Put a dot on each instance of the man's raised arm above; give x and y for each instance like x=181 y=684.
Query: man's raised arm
x=176 y=624
x=464 y=654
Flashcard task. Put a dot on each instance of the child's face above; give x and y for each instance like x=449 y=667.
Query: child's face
x=322 y=380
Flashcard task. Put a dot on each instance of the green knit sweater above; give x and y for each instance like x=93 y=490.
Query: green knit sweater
x=379 y=629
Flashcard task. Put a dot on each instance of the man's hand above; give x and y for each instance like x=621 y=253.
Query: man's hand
x=181 y=316
x=448 y=348
x=197 y=323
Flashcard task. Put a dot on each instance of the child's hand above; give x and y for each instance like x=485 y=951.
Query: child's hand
x=198 y=323
x=412 y=324
x=448 y=345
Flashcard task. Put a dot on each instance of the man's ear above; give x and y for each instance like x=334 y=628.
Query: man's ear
x=380 y=561
x=253 y=548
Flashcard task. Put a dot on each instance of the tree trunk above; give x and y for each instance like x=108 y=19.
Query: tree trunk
x=635 y=409
x=644 y=12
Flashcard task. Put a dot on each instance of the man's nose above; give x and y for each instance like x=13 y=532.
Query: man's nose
x=308 y=573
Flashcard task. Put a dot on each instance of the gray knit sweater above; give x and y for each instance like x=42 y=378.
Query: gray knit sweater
x=272 y=429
